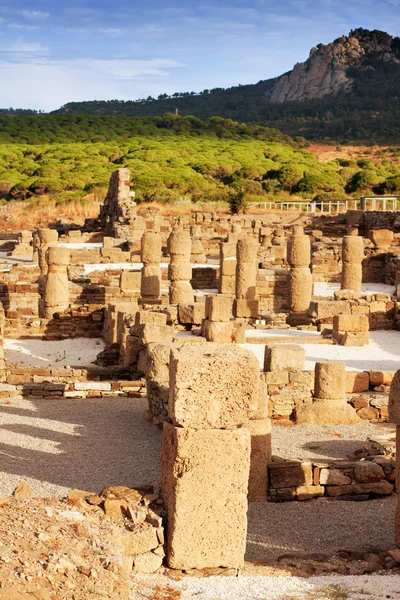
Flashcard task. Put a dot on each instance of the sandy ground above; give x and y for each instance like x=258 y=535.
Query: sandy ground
x=127 y=266
x=325 y=441
x=94 y=443
x=381 y=354
x=78 y=352
x=327 y=289
x=361 y=587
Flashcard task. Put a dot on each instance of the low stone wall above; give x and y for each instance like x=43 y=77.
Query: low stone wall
x=380 y=309
x=367 y=392
x=84 y=321
x=353 y=480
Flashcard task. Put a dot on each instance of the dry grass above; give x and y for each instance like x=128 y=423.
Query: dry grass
x=327 y=152
x=35 y=216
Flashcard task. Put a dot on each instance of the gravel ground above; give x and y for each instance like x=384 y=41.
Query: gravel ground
x=87 y=444
x=324 y=441
x=365 y=587
x=381 y=354
x=77 y=352
x=94 y=443
x=326 y=289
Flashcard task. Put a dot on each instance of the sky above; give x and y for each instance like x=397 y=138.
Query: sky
x=54 y=52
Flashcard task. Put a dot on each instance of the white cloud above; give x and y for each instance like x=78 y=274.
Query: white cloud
x=54 y=83
x=26 y=48
x=34 y=14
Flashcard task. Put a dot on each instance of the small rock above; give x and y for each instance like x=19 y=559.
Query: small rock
x=147 y=563
x=23 y=491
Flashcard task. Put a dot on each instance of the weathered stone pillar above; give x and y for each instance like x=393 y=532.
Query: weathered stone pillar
x=47 y=238
x=394 y=417
x=261 y=450
x=180 y=267
x=246 y=304
x=56 y=294
x=227 y=276
x=330 y=405
x=352 y=257
x=197 y=254
x=217 y=326
x=205 y=458
x=150 y=255
x=299 y=258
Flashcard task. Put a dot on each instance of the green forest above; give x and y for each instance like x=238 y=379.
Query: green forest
x=176 y=159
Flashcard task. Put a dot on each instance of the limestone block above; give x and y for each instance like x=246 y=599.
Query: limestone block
x=227 y=250
x=246 y=309
x=246 y=250
x=228 y=267
x=381 y=238
x=246 y=280
x=151 y=281
x=212 y=385
x=48 y=237
x=284 y=357
x=180 y=271
x=227 y=284
x=381 y=377
x=150 y=250
x=298 y=230
x=260 y=432
x=352 y=277
x=327 y=309
x=330 y=380
x=352 y=249
x=326 y=412
x=333 y=477
x=218 y=308
x=181 y=292
x=157 y=365
x=368 y=472
x=130 y=281
x=152 y=332
x=220 y=333
x=357 y=382
x=108 y=242
x=192 y=313
x=351 y=339
x=351 y=323
x=150 y=316
x=261 y=411
x=299 y=251
x=300 y=289
x=132 y=349
x=179 y=243
x=290 y=476
x=204 y=478
x=394 y=399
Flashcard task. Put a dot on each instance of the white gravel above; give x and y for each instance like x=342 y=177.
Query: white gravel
x=129 y=266
x=381 y=354
x=327 y=289
x=87 y=444
x=77 y=352
x=325 y=441
x=365 y=587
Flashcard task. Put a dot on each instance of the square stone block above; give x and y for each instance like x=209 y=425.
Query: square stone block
x=213 y=386
x=204 y=477
x=218 y=308
x=220 y=333
x=350 y=323
x=130 y=281
x=284 y=357
x=246 y=309
x=192 y=313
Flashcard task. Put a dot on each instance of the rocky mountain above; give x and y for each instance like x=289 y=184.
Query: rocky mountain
x=326 y=71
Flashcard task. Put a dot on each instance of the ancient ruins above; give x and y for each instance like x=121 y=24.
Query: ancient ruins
x=215 y=319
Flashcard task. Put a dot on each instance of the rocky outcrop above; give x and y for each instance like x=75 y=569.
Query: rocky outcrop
x=326 y=70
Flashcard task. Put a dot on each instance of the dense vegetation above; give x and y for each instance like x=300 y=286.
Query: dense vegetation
x=371 y=114
x=173 y=158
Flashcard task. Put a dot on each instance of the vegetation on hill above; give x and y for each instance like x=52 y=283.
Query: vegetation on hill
x=176 y=159
x=371 y=114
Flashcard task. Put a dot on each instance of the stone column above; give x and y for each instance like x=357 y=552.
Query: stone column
x=330 y=405
x=205 y=459
x=227 y=272
x=47 y=238
x=394 y=417
x=299 y=259
x=217 y=326
x=246 y=304
x=180 y=267
x=56 y=294
x=150 y=255
x=352 y=257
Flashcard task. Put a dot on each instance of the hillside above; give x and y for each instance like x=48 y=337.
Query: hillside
x=347 y=91
x=178 y=159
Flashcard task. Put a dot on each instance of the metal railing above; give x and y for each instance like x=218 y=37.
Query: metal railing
x=380 y=203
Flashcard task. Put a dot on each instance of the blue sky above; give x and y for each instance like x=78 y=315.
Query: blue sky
x=55 y=52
